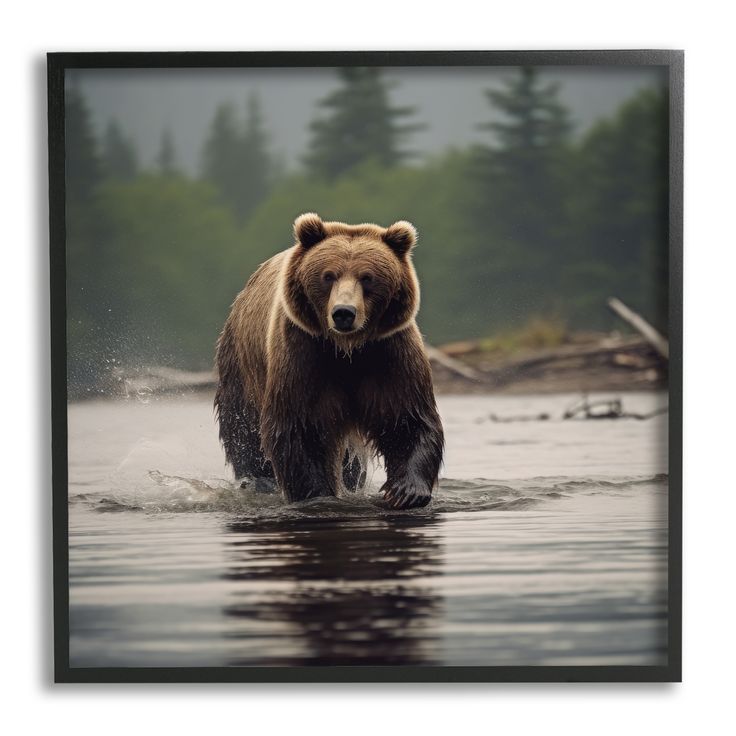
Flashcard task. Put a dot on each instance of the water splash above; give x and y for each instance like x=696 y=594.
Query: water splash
x=177 y=494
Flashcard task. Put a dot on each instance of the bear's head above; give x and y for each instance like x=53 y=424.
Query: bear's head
x=350 y=283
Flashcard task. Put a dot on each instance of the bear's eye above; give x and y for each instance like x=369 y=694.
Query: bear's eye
x=366 y=279
x=328 y=277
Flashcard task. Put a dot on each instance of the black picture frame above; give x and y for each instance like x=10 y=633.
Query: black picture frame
x=58 y=64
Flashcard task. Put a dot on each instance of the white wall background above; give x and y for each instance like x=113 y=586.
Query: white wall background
x=703 y=703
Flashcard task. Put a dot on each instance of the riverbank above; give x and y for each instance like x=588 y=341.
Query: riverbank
x=578 y=362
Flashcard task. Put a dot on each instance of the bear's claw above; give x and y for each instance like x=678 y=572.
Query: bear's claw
x=405 y=495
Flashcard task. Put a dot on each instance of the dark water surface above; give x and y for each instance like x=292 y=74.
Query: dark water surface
x=545 y=545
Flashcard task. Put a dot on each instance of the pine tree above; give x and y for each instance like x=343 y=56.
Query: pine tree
x=236 y=159
x=359 y=123
x=623 y=205
x=524 y=167
x=83 y=168
x=521 y=210
x=86 y=238
x=255 y=161
x=119 y=155
x=536 y=121
x=166 y=157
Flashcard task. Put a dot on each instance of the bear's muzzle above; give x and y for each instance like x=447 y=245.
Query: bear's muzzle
x=343 y=317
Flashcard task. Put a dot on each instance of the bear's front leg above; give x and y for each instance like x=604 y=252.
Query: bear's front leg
x=301 y=418
x=412 y=453
x=303 y=459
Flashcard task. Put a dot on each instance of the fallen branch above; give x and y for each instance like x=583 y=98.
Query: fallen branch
x=452 y=365
x=610 y=349
x=657 y=341
x=606 y=409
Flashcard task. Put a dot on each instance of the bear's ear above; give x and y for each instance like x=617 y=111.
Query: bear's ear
x=401 y=237
x=309 y=229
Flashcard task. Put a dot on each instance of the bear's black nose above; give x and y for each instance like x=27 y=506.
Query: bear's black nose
x=343 y=315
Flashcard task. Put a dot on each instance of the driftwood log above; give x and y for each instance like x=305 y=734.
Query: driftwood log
x=643 y=327
x=605 y=362
x=452 y=364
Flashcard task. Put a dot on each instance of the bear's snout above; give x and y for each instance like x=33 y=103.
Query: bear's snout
x=343 y=315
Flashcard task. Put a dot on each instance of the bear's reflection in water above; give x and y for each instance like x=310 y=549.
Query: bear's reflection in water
x=335 y=591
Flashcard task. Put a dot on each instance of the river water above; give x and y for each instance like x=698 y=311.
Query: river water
x=546 y=544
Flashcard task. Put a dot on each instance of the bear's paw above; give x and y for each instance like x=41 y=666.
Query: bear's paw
x=406 y=493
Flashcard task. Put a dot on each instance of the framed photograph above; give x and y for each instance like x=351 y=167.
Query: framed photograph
x=367 y=366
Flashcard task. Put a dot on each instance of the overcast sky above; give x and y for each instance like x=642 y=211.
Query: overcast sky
x=450 y=101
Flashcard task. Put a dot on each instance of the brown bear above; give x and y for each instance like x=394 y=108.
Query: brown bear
x=320 y=357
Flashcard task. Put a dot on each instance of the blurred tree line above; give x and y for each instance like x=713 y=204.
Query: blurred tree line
x=533 y=222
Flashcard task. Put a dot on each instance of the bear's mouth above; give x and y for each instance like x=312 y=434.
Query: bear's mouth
x=347 y=340
x=343 y=332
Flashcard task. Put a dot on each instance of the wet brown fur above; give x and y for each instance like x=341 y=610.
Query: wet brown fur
x=294 y=393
